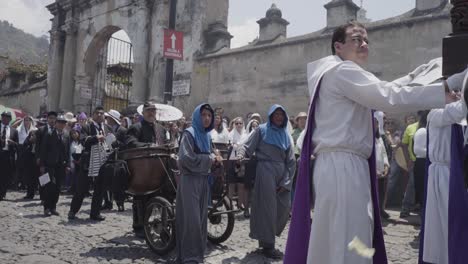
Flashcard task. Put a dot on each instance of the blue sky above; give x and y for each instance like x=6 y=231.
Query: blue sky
x=304 y=15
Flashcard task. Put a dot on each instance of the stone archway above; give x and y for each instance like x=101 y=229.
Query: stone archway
x=108 y=70
x=80 y=28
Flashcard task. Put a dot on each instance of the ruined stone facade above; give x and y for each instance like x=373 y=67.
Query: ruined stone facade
x=270 y=70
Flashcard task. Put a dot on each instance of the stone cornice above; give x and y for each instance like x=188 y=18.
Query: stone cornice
x=266 y=20
x=70 y=28
x=56 y=34
x=53 y=8
x=67 y=5
x=348 y=3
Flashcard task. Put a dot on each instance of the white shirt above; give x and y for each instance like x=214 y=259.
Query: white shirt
x=7 y=135
x=222 y=137
x=236 y=139
x=440 y=130
x=23 y=134
x=348 y=93
x=420 y=142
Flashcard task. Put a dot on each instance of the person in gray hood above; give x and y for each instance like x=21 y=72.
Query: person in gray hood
x=195 y=161
x=275 y=168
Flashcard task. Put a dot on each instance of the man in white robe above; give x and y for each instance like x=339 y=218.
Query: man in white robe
x=342 y=141
x=436 y=215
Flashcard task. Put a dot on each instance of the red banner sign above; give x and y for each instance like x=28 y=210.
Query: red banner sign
x=173 y=44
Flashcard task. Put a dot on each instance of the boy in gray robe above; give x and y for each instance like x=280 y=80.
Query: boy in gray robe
x=195 y=161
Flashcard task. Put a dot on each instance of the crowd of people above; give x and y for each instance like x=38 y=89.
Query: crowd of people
x=323 y=159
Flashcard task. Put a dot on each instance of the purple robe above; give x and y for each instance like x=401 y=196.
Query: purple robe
x=458 y=200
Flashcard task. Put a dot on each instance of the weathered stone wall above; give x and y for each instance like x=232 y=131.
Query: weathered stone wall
x=31 y=98
x=250 y=79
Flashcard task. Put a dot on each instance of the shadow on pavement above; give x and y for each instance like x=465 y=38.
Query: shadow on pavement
x=128 y=247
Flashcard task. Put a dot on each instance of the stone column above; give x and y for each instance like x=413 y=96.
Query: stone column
x=455 y=57
x=54 y=69
x=55 y=62
x=69 y=67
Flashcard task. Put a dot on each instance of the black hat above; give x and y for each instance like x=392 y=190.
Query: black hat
x=52 y=113
x=62 y=119
x=7 y=114
x=149 y=105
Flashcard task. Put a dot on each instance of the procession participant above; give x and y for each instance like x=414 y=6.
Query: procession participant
x=8 y=143
x=27 y=124
x=47 y=129
x=436 y=221
x=93 y=138
x=144 y=133
x=31 y=170
x=458 y=203
x=76 y=150
x=275 y=168
x=382 y=164
x=219 y=134
x=54 y=160
x=343 y=95
x=408 y=152
x=301 y=120
x=174 y=134
x=250 y=166
x=120 y=133
x=82 y=119
x=234 y=181
x=420 y=151
x=256 y=116
x=195 y=161
x=126 y=122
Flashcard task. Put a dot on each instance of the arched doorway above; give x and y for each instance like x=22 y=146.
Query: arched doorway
x=110 y=63
x=115 y=71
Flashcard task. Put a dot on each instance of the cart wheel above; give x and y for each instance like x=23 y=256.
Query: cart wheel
x=220 y=220
x=159 y=225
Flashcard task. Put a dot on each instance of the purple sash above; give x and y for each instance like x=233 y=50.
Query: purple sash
x=299 y=230
x=458 y=200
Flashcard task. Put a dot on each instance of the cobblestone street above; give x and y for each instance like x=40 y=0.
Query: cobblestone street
x=28 y=237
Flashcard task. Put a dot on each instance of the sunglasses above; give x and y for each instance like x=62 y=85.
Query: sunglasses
x=239 y=123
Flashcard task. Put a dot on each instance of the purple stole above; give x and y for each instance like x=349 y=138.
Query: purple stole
x=299 y=230
x=457 y=204
x=458 y=200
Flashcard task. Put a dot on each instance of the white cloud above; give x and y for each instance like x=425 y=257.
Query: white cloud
x=244 y=33
x=29 y=15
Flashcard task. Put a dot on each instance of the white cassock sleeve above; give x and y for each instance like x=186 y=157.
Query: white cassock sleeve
x=452 y=113
x=364 y=88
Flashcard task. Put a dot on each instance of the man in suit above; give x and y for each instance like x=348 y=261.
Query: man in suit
x=48 y=128
x=54 y=160
x=142 y=134
x=8 y=143
x=93 y=137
